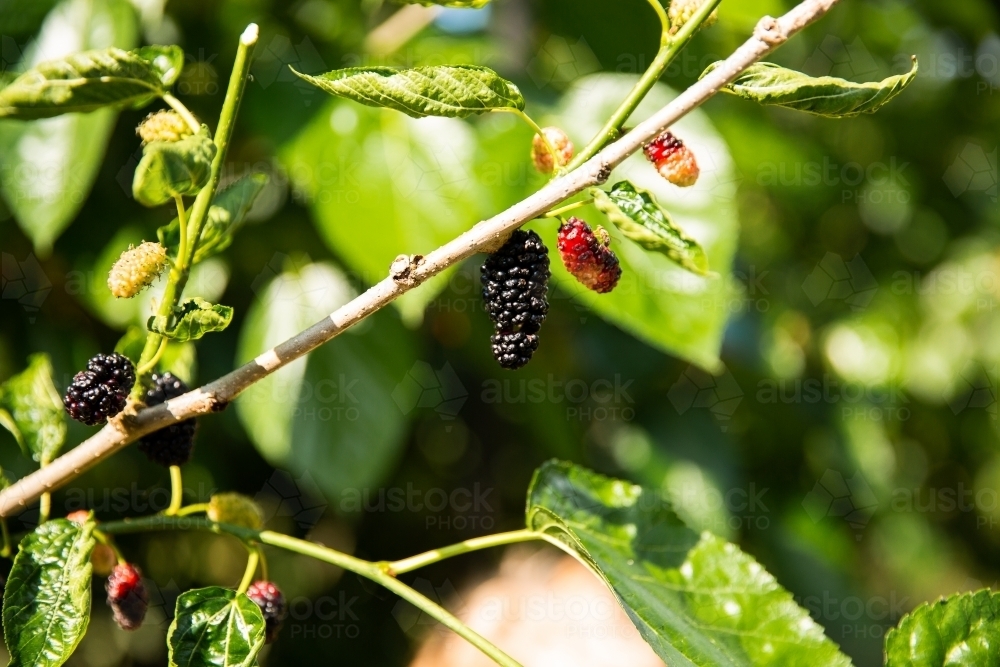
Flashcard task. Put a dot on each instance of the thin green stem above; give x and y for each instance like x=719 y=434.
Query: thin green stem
x=538 y=131
x=194 y=508
x=263 y=565
x=6 y=539
x=178 y=275
x=179 y=107
x=149 y=365
x=556 y=212
x=373 y=571
x=106 y=540
x=423 y=560
x=182 y=220
x=44 y=507
x=176 y=491
x=664 y=21
x=670 y=46
x=251 y=570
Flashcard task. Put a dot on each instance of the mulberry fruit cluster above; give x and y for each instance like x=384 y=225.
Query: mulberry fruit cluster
x=588 y=258
x=172 y=445
x=515 y=286
x=127 y=596
x=267 y=596
x=681 y=11
x=673 y=160
x=163 y=126
x=136 y=268
x=543 y=159
x=101 y=391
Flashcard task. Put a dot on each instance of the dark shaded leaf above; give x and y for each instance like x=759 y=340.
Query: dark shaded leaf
x=32 y=410
x=228 y=211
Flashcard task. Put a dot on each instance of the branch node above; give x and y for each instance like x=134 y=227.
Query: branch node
x=604 y=173
x=769 y=31
x=403 y=267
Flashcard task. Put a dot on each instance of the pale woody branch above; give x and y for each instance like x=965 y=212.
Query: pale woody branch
x=769 y=34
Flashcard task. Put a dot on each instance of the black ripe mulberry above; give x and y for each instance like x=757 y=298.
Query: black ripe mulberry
x=515 y=285
x=172 y=445
x=127 y=596
x=101 y=391
x=271 y=601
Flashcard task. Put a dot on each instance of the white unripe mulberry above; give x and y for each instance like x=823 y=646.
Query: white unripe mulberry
x=136 y=268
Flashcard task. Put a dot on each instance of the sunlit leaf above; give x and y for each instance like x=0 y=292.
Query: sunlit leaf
x=390 y=185
x=32 y=410
x=959 y=630
x=696 y=600
x=641 y=220
x=829 y=96
x=455 y=91
x=215 y=627
x=90 y=80
x=46 y=601
x=191 y=320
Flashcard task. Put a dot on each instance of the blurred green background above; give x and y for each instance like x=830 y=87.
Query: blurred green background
x=846 y=436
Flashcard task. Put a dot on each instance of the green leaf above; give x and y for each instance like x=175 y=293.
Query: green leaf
x=638 y=216
x=46 y=602
x=414 y=177
x=657 y=301
x=330 y=415
x=228 y=211
x=696 y=600
x=455 y=91
x=960 y=630
x=171 y=168
x=191 y=320
x=767 y=83
x=32 y=410
x=68 y=149
x=91 y=80
x=215 y=627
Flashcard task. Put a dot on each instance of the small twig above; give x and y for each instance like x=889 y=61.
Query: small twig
x=468 y=546
x=176 y=491
x=150 y=363
x=252 y=559
x=556 y=212
x=769 y=34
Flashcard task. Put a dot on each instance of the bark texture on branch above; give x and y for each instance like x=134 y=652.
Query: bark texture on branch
x=768 y=35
